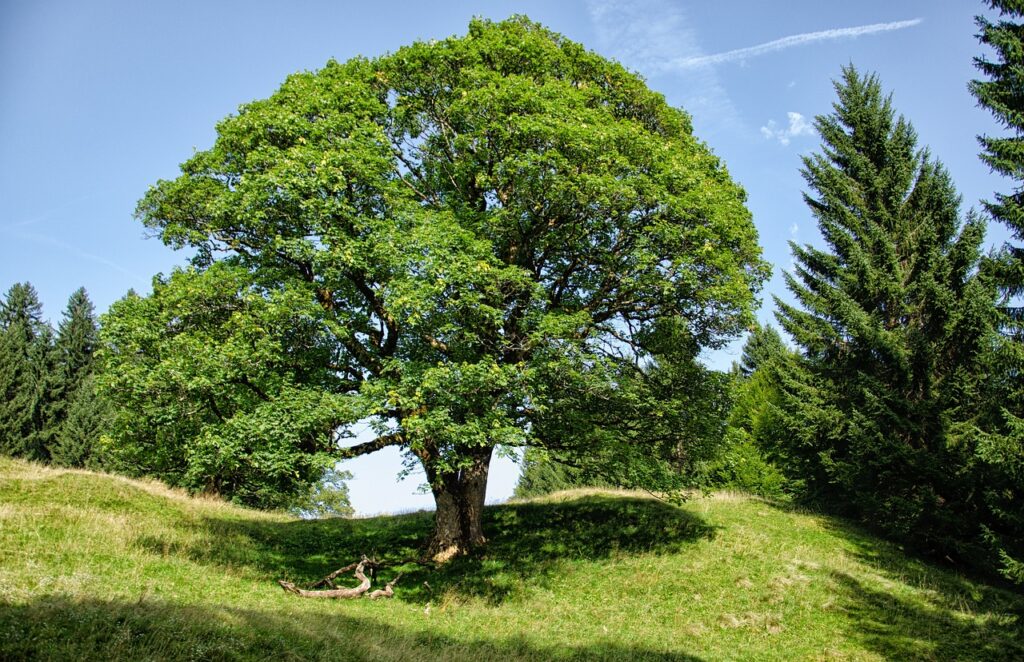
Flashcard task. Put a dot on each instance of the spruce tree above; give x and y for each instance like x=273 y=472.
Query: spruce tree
x=1003 y=94
x=894 y=324
x=77 y=441
x=26 y=364
x=77 y=335
x=77 y=416
x=1001 y=451
x=763 y=345
x=15 y=375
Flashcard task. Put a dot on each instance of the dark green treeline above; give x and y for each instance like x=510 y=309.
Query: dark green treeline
x=49 y=408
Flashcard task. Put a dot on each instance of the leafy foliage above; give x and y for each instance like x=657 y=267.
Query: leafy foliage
x=896 y=327
x=743 y=466
x=328 y=497
x=749 y=457
x=650 y=426
x=223 y=386
x=471 y=235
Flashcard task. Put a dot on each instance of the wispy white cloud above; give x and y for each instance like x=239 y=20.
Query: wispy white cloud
x=794 y=230
x=51 y=212
x=70 y=248
x=699 y=61
x=798 y=126
x=656 y=37
x=645 y=34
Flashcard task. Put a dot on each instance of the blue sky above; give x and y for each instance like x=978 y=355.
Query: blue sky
x=98 y=100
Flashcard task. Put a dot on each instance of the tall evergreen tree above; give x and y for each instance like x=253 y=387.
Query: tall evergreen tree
x=26 y=362
x=77 y=335
x=763 y=345
x=895 y=326
x=1003 y=94
x=1002 y=451
x=77 y=441
x=78 y=414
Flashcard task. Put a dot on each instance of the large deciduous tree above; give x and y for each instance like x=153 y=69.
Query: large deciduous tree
x=895 y=325
x=446 y=242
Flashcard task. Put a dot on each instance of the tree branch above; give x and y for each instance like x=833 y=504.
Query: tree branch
x=355 y=592
x=245 y=381
x=394 y=439
x=388 y=590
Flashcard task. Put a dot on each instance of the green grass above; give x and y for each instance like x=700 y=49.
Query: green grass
x=100 y=567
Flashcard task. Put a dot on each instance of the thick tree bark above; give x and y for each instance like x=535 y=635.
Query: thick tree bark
x=459 y=500
x=474 y=491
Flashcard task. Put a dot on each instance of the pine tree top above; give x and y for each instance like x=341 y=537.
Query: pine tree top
x=77 y=337
x=21 y=306
x=897 y=250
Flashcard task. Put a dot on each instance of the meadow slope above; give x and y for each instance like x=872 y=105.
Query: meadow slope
x=101 y=567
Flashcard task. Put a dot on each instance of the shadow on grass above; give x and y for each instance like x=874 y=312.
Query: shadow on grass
x=942 y=625
x=528 y=543
x=50 y=628
x=951 y=616
x=921 y=610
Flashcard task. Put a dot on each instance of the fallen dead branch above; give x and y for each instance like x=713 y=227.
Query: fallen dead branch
x=328 y=580
x=387 y=591
x=345 y=593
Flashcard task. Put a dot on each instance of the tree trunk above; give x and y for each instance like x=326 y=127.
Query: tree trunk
x=459 y=498
x=474 y=490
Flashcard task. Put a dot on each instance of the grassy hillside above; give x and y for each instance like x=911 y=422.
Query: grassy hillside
x=99 y=567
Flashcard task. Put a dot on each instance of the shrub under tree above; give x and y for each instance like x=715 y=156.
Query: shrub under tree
x=748 y=459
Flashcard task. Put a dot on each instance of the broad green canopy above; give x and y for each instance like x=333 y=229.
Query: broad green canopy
x=441 y=240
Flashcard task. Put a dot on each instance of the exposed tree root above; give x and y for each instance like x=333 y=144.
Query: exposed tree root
x=446 y=554
x=345 y=593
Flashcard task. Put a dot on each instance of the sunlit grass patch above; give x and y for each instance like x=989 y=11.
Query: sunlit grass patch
x=100 y=567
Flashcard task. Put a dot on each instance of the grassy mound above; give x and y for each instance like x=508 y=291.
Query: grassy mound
x=100 y=567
